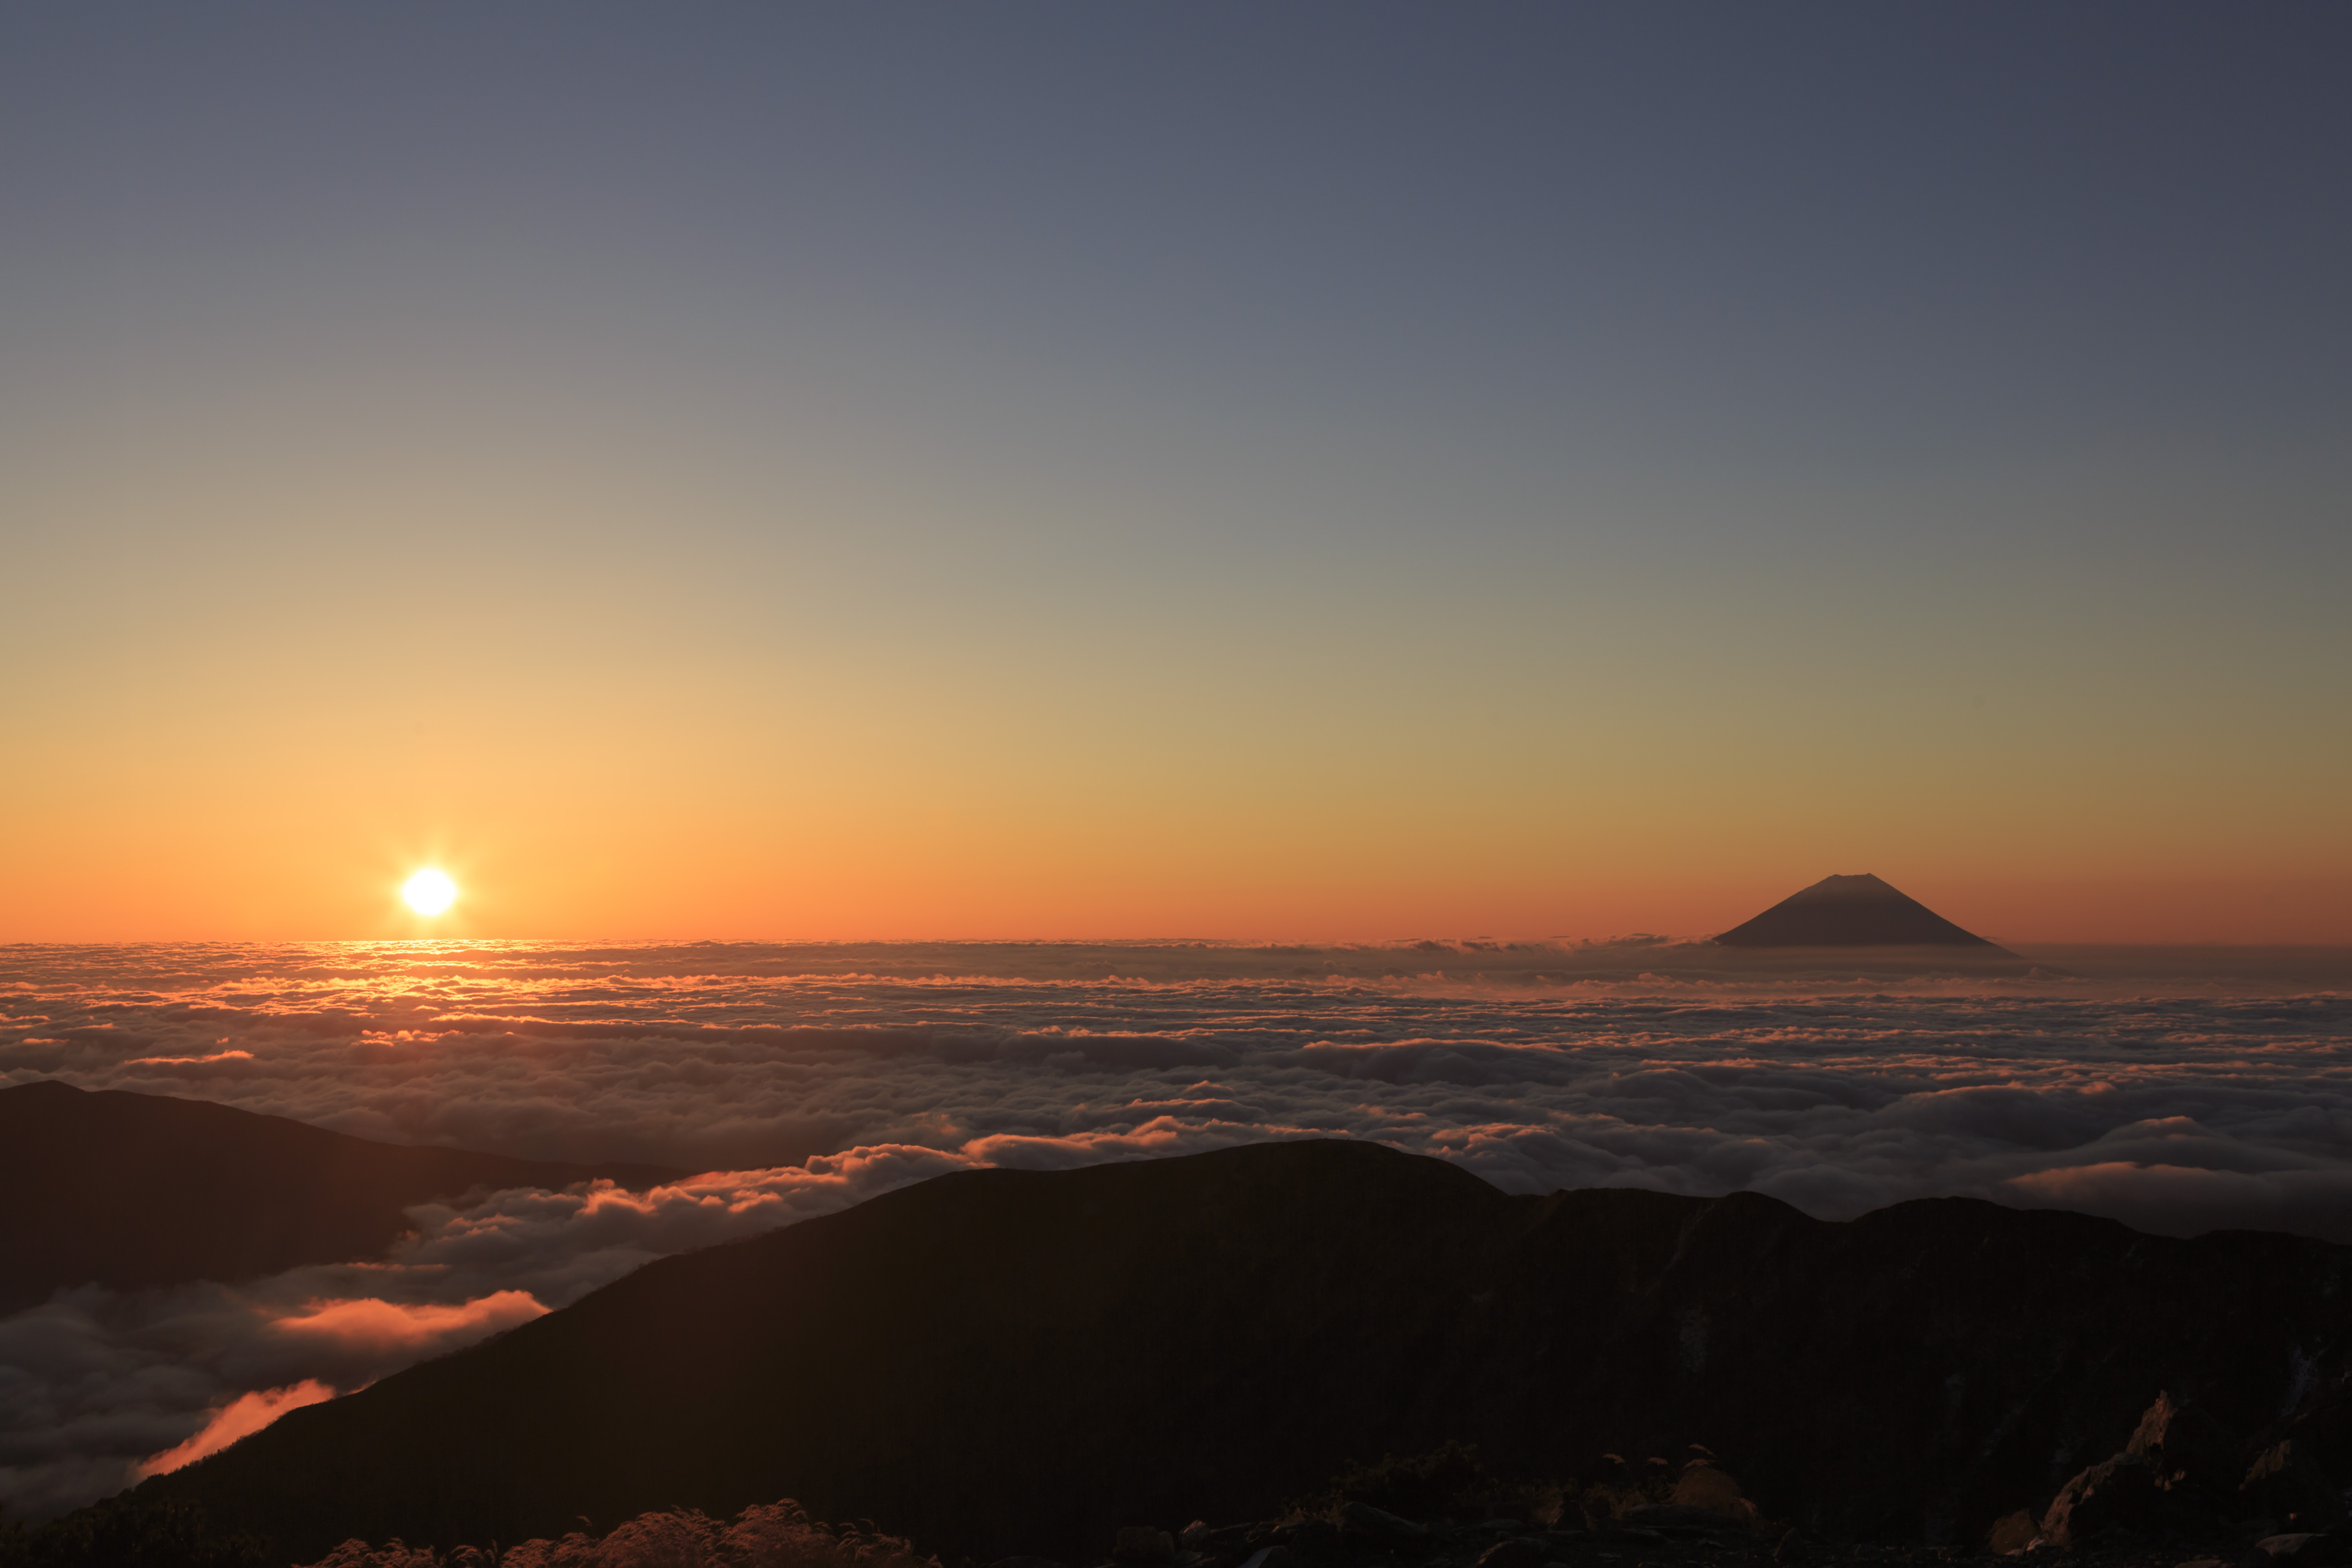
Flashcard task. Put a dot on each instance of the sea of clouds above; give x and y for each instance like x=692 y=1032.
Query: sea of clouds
x=2178 y=1092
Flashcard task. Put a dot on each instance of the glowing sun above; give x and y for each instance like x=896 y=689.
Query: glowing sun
x=429 y=892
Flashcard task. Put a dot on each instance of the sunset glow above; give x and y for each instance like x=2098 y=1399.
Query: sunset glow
x=921 y=538
x=740 y=738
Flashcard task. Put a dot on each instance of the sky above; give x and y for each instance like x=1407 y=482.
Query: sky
x=1345 y=472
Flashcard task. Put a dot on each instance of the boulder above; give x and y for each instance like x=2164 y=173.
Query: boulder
x=2013 y=1533
x=1195 y=1536
x=2184 y=1448
x=2117 y=1491
x=1703 y=1487
x=1140 y=1546
x=1514 y=1552
x=1378 y=1524
x=1310 y=1537
x=2284 y=1484
x=1573 y=1515
x=1678 y=1516
x=2305 y=1548
x=2321 y=1425
x=2177 y=1463
x=2175 y=1471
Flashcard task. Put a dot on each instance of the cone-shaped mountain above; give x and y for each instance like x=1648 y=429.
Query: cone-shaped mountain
x=1850 y=912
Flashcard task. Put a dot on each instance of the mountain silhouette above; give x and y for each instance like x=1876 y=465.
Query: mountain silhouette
x=1012 y=1361
x=1850 y=912
x=134 y=1190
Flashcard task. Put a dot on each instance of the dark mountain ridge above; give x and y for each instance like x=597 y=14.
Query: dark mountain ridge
x=1013 y=1362
x=129 y=1190
x=1852 y=911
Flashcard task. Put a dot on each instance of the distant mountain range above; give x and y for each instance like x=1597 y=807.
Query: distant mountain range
x=135 y=1190
x=1005 y=1361
x=1852 y=911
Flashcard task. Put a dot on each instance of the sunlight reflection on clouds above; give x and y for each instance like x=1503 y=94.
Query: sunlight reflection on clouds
x=1837 y=1098
x=802 y=1080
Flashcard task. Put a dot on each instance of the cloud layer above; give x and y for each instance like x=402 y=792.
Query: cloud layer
x=804 y=1079
x=240 y=1418
x=99 y=1387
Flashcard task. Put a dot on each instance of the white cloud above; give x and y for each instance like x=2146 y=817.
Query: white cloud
x=2176 y=1107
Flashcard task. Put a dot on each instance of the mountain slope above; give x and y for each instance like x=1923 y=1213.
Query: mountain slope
x=1000 y=1361
x=133 y=1190
x=1850 y=912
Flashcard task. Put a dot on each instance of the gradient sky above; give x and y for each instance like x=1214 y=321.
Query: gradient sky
x=1347 y=471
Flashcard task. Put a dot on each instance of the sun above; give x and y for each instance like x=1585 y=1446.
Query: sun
x=429 y=892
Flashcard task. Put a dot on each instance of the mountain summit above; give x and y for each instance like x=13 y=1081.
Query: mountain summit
x=1850 y=912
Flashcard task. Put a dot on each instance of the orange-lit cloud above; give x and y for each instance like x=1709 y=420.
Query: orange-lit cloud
x=189 y=1061
x=240 y=1418
x=2185 y=1199
x=367 y=1327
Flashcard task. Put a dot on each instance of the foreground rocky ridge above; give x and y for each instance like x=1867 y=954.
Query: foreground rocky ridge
x=1004 y=1362
x=1607 y=1525
x=2145 y=1507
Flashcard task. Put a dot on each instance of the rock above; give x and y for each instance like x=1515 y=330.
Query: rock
x=2121 y=1490
x=1573 y=1515
x=2286 y=1485
x=1378 y=1523
x=1310 y=1537
x=1794 y=1549
x=1271 y=1557
x=1673 y=1516
x=1023 y=1562
x=1195 y=1536
x=2193 y=1461
x=1140 y=1546
x=2012 y=1533
x=1515 y=1552
x=1704 y=1487
x=2307 y=1549
x=2174 y=1470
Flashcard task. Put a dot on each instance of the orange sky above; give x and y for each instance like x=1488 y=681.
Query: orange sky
x=267 y=732
x=571 y=842
x=1084 y=512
